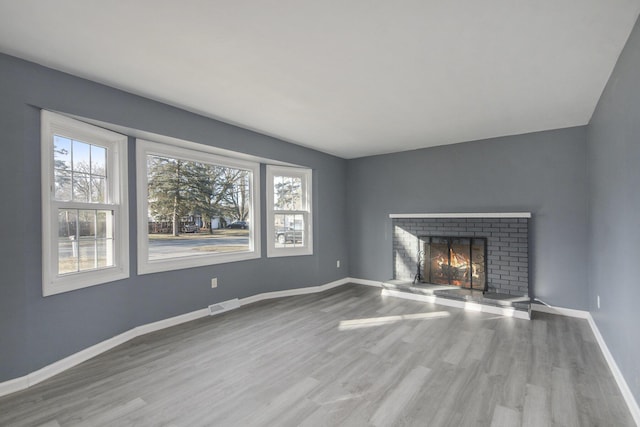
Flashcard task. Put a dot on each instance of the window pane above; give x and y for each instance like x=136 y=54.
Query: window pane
x=98 y=160
x=62 y=183
x=81 y=155
x=105 y=252
x=81 y=187
x=287 y=193
x=61 y=153
x=98 y=189
x=104 y=224
x=67 y=223
x=86 y=242
x=196 y=208
x=87 y=254
x=87 y=223
x=289 y=230
x=67 y=256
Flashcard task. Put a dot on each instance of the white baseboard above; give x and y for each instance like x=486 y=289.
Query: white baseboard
x=75 y=359
x=293 y=292
x=622 y=383
x=364 y=282
x=569 y=312
x=613 y=366
x=172 y=321
x=469 y=306
x=16 y=384
x=46 y=372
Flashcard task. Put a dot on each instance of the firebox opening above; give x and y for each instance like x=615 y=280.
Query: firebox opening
x=457 y=261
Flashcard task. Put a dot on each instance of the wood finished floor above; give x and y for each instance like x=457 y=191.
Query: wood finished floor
x=345 y=357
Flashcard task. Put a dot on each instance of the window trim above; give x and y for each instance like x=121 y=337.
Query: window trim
x=51 y=124
x=306 y=176
x=199 y=153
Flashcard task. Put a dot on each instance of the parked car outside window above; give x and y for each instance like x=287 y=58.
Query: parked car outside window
x=238 y=224
x=288 y=234
x=189 y=228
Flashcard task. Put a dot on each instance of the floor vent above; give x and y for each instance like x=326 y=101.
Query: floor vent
x=224 y=306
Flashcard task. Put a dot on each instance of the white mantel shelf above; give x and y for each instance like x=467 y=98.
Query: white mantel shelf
x=464 y=215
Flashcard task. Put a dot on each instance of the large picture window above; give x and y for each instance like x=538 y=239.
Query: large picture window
x=194 y=208
x=289 y=218
x=84 y=204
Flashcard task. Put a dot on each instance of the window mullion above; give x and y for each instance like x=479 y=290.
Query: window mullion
x=83 y=206
x=289 y=212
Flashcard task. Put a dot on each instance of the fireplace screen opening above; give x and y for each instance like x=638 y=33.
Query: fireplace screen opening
x=456 y=261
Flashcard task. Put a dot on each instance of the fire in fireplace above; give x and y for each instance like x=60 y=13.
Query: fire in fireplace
x=458 y=261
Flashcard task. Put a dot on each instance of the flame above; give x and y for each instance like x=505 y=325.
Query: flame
x=458 y=260
x=457 y=268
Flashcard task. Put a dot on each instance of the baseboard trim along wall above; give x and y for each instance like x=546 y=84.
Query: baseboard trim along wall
x=364 y=282
x=29 y=380
x=622 y=384
x=569 y=312
x=613 y=366
x=294 y=292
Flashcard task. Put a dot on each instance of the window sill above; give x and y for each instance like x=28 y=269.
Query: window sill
x=277 y=252
x=83 y=280
x=171 y=264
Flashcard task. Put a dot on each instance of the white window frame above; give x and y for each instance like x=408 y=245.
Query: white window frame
x=198 y=153
x=117 y=201
x=305 y=175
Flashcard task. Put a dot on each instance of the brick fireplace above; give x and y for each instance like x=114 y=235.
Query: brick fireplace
x=505 y=237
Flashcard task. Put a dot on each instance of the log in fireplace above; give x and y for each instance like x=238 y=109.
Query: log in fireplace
x=453 y=260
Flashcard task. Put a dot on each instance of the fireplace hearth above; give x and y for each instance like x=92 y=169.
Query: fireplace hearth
x=489 y=254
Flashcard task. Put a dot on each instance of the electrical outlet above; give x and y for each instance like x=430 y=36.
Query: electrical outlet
x=338 y=264
x=214 y=282
x=598 y=301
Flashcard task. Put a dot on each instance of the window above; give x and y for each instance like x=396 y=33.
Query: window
x=194 y=207
x=84 y=205
x=289 y=221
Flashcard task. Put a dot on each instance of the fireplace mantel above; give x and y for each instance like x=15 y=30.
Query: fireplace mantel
x=464 y=215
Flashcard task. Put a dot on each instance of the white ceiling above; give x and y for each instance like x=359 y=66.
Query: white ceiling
x=347 y=77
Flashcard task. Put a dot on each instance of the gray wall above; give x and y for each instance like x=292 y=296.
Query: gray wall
x=543 y=173
x=36 y=331
x=613 y=137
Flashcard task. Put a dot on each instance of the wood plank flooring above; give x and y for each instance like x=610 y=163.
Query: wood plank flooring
x=345 y=357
